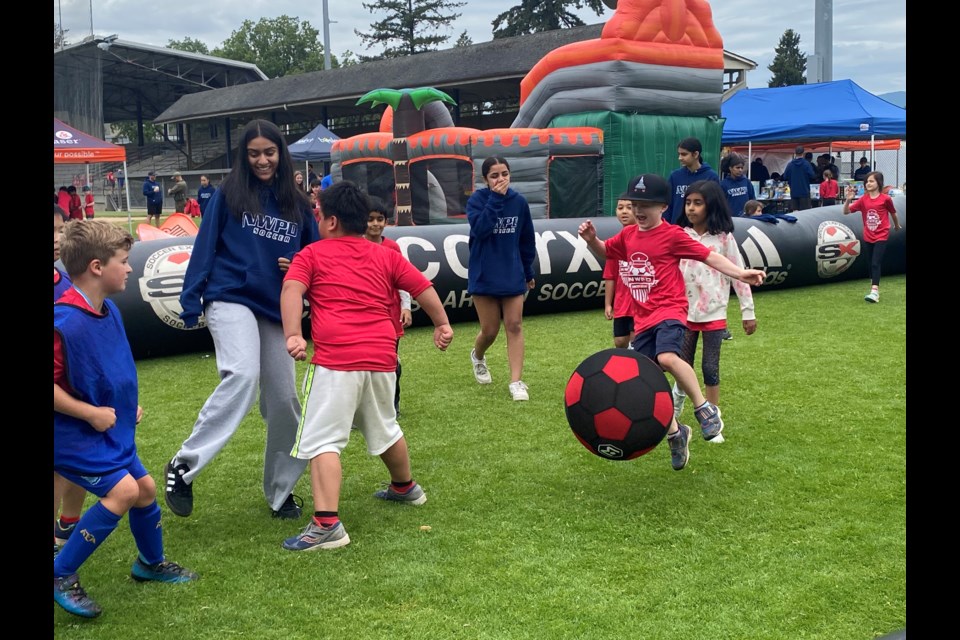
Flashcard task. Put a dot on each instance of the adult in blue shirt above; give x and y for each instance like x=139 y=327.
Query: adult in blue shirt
x=154 y=196
x=799 y=174
x=255 y=223
x=689 y=152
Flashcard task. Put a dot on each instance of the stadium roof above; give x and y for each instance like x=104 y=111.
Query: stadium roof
x=466 y=69
x=147 y=77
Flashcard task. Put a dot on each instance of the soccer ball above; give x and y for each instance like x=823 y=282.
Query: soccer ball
x=618 y=404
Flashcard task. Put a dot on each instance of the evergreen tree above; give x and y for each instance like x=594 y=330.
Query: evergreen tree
x=464 y=40
x=534 y=16
x=59 y=36
x=410 y=26
x=789 y=65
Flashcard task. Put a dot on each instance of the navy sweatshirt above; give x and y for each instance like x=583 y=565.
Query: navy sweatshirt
x=502 y=244
x=679 y=181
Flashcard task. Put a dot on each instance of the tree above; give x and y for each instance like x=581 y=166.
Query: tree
x=409 y=27
x=59 y=36
x=189 y=44
x=534 y=16
x=789 y=65
x=278 y=46
x=464 y=40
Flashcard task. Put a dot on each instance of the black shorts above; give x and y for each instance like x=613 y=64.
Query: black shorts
x=622 y=326
x=154 y=209
x=664 y=337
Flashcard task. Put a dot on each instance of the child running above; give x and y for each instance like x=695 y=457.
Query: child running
x=351 y=285
x=877 y=209
x=95 y=413
x=618 y=305
x=654 y=251
x=376 y=221
x=708 y=220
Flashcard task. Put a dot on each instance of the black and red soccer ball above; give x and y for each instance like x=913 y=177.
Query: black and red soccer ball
x=618 y=404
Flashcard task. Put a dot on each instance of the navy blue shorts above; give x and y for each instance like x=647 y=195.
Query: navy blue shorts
x=101 y=485
x=665 y=337
x=622 y=326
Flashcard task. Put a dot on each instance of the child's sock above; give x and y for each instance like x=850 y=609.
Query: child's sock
x=402 y=487
x=147 y=532
x=92 y=529
x=326 y=519
x=66 y=521
x=875 y=287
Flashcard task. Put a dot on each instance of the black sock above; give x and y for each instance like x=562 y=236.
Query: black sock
x=402 y=486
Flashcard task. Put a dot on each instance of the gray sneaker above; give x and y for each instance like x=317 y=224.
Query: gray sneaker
x=710 y=423
x=480 y=371
x=680 y=447
x=315 y=537
x=414 y=496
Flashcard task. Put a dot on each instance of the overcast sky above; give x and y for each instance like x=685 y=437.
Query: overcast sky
x=869 y=36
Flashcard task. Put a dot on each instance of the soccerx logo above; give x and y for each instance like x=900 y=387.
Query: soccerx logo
x=759 y=252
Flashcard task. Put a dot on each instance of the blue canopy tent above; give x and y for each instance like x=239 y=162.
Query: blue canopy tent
x=838 y=110
x=315 y=145
x=821 y=112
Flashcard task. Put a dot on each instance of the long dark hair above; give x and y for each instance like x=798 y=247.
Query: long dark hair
x=719 y=219
x=242 y=188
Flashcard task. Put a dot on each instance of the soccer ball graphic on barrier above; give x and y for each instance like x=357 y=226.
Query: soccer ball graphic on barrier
x=618 y=404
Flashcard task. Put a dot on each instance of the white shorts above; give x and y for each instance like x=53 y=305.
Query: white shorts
x=337 y=400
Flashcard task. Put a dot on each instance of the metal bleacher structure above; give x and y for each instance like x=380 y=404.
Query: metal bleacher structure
x=201 y=102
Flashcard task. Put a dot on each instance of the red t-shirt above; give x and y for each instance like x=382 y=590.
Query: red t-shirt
x=829 y=189
x=88 y=205
x=387 y=243
x=352 y=288
x=622 y=300
x=652 y=273
x=876 y=216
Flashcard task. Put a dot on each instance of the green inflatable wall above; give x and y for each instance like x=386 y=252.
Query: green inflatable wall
x=635 y=144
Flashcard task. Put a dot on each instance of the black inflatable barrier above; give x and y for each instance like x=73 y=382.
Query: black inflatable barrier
x=822 y=246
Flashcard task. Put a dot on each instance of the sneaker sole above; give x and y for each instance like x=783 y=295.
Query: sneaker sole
x=871 y=300
x=333 y=544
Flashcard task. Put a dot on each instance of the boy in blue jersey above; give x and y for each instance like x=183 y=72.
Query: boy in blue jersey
x=95 y=413
x=67 y=497
x=692 y=168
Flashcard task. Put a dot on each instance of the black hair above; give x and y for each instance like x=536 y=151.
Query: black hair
x=243 y=190
x=71 y=189
x=735 y=159
x=346 y=202
x=719 y=219
x=489 y=162
x=378 y=205
x=691 y=144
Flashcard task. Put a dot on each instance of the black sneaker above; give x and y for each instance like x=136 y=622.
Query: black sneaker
x=179 y=494
x=727 y=335
x=165 y=571
x=291 y=509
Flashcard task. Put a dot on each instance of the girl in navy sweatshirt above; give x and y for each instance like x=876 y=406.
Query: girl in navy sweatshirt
x=252 y=227
x=500 y=270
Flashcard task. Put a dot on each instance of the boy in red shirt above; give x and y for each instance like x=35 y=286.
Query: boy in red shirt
x=877 y=209
x=653 y=251
x=351 y=285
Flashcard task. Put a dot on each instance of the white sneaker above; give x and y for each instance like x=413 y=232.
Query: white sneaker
x=519 y=390
x=679 y=397
x=873 y=296
x=480 y=371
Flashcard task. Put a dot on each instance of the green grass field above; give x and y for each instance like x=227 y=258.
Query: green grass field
x=794 y=528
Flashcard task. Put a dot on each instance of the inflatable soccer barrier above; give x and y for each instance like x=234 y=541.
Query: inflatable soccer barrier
x=822 y=246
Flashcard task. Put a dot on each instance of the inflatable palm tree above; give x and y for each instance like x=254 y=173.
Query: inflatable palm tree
x=407 y=105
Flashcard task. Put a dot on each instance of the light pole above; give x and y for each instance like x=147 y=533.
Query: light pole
x=326 y=37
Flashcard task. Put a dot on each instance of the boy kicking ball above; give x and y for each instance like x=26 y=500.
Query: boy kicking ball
x=653 y=250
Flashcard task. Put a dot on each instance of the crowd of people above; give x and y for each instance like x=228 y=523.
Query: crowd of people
x=273 y=240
